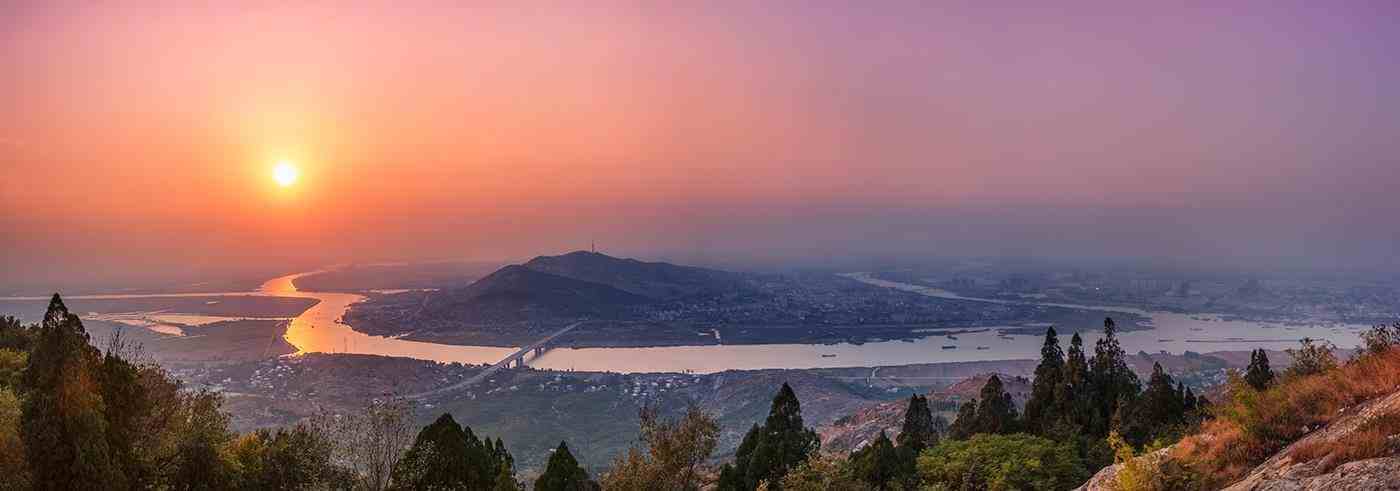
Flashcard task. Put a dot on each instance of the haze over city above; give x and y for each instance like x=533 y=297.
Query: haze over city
x=138 y=139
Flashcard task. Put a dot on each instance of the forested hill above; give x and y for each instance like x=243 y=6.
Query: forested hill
x=655 y=280
x=577 y=285
x=517 y=293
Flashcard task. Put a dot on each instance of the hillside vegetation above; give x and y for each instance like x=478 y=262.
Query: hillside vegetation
x=1321 y=423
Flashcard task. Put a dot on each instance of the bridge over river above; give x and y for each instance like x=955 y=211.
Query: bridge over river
x=517 y=358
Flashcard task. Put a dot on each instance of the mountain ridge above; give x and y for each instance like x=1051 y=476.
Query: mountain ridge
x=516 y=293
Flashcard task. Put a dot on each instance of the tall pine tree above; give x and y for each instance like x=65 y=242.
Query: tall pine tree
x=992 y=412
x=63 y=420
x=878 y=464
x=1156 y=412
x=1110 y=378
x=996 y=412
x=768 y=452
x=446 y=455
x=920 y=432
x=1074 y=394
x=965 y=423
x=1259 y=375
x=1042 y=408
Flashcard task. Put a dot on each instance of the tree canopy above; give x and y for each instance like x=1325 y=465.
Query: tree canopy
x=563 y=473
x=1002 y=462
x=1042 y=408
x=769 y=451
x=1259 y=375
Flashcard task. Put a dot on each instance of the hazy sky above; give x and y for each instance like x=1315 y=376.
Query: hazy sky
x=141 y=137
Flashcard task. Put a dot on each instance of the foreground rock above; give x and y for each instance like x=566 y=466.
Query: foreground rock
x=1288 y=470
x=1107 y=478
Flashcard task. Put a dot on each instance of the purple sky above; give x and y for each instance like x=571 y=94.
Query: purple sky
x=136 y=137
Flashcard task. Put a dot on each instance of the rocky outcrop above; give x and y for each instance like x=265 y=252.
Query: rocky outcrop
x=1107 y=478
x=1288 y=470
x=1368 y=475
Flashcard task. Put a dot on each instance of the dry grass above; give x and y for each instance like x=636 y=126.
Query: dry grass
x=1372 y=439
x=1254 y=425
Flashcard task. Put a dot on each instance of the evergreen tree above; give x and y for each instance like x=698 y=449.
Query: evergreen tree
x=15 y=335
x=446 y=455
x=878 y=464
x=1259 y=375
x=731 y=476
x=62 y=422
x=503 y=460
x=996 y=412
x=965 y=424
x=287 y=458
x=1110 y=378
x=1188 y=401
x=1041 y=408
x=563 y=473
x=1158 y=411
x=920 y=432
x=1074 y=396
x=769 y=451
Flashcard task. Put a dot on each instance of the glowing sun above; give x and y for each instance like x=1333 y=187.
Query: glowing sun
x=285 y=173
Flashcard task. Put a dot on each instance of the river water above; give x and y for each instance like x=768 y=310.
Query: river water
x=319 y=329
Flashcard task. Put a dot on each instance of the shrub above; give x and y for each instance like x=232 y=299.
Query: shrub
x=1381 y=338
x=671 y=455
x=1149 y=472
x=1002 y=462
x=1311 y=358
x=1372 y=439
x=1253 y=425
x=823 y=473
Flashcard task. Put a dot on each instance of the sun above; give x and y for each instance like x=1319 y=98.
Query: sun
x=285 y=173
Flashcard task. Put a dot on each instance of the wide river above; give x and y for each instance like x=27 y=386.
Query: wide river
x=319 y=329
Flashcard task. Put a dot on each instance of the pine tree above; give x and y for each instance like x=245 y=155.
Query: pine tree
x=502 y=464
x=1041 y=408
x=1074 y=394
x=63 y=421
x=920 y=432
x=1110 y=378
x=446 y=455
x=1259 y=375
x=1155 y=412
x=563 y=473
x=965 y=424
x=996 y=412
x=769 y=451
x=878 y=464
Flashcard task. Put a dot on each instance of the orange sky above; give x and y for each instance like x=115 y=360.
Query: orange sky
x=144 y=135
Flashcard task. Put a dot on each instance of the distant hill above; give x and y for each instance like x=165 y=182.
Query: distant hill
x=575 y=285
x=641 y=303
x=517 y=293
x=654 y=280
